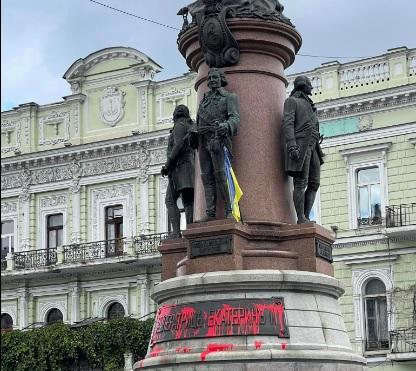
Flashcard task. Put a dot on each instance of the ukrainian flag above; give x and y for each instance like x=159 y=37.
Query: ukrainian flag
x=234 y=189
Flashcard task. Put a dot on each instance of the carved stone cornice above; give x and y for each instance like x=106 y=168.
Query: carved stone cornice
x=366 y=103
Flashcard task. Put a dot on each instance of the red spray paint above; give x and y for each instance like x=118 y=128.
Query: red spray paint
x=183 y=349
x=258 y=344
x=156 y=351
x=186 y=317
x=211 y=348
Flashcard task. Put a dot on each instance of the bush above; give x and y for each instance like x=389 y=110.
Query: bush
x=62 y=348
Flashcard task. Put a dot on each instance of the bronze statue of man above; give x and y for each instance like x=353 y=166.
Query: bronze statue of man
x=304 y=156
x=217 y=122
x=179 y=167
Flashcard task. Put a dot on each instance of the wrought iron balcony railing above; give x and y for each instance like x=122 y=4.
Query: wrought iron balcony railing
x=86 y=252
x=401 y=215
x=35 y=258
x=83 y=252
x=403 y=340
x=148 y=244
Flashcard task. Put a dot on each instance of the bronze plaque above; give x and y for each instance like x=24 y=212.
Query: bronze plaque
x=323 y=250
x=211 y=246
x=220 y=318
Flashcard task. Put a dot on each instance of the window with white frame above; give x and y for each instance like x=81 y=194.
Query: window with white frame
x=368 y=196
x=367 y=184
x=55 y=230
x=7 y=237
x=114 y=230
x=375 y=315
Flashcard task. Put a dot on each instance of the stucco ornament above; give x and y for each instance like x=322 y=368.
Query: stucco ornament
x=112 y=105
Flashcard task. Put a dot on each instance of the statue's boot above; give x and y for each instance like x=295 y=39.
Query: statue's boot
x=188 y=204
x=174 y=217
x=299 y=201
x=309 y=201
x=208 y=181
x=222 y=186
x=189 y=213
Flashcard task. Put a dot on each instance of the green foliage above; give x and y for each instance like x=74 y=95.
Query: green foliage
x=61 y=348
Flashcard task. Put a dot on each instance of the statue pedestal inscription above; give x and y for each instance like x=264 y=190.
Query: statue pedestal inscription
x=249 y=320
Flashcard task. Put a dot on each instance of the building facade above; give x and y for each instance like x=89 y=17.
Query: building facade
x=82 y=207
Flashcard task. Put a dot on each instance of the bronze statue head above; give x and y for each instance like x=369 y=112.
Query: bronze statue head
x=216 y=78
x=302 y=83
x=180 y=111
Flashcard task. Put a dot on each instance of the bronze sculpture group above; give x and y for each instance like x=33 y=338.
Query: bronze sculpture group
x=218 y=118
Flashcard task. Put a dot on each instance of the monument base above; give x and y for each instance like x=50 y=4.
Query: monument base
x=250 y=320
x=223 y=245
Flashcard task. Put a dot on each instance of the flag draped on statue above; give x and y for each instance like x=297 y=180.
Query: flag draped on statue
x=234 y=189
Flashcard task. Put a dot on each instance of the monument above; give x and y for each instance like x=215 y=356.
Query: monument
x=257 y=294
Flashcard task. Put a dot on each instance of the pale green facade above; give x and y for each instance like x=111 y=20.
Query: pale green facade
x=104 y=145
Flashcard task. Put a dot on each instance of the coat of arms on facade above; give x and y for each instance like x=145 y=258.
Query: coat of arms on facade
x=112 y=105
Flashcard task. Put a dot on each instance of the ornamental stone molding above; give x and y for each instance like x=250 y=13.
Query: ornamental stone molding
x=111 y=164
x=158 y=156
x=46 y=304
x=76 y=172
x=365 y=123
x=56 y=119
x=172 y=96
x=104 y=302
x=11 y=310
x=53 y=201
x=117 y=194
x=8 y=207
x=372 y=103
x=112 y=105
x=52 y=174
x=13 y=130
x=360 y=277
x=143 y=104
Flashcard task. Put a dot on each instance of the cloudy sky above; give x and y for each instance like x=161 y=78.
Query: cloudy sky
x=40 y=39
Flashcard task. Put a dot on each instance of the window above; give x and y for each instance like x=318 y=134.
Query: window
x=7 y=238
x=55 y=229
x=114 y=230
x=376 y=318
x=115 y=311
x=368 y=196
x=54 y=316
x=6 y=321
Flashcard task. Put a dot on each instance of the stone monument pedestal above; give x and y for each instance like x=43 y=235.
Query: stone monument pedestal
x=224 y=245
x=250 y=320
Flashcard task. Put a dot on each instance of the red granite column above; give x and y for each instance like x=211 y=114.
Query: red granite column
x=267 y=48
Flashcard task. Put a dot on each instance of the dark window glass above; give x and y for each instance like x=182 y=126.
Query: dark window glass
x=115 y=310
x=54 y=316
x=6 y=322
x=114 y=230
x=55 y=230
x=376 y=318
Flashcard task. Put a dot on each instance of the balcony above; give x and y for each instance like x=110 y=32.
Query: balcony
x=401 y=219
x=403 y=345
x=70 y=256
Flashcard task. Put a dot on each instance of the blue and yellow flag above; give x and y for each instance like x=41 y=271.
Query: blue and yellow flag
x=234 y=189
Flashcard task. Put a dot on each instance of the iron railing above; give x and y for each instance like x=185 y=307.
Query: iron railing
x=35 y=258
x=3 y=264
x=403 y=340
x=369 y=221
x=401 y=215
x=148 y=244
x=83 y=252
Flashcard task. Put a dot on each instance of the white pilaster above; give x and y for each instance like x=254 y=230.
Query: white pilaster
x=76 y=217
x=144 y=283
x=75 y=304
x=23 y=308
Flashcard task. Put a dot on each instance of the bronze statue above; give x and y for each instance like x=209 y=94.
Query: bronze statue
x=303 y=151
x=217 y=122
x=179 y=167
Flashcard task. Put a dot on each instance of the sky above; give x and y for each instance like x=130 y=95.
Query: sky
x=40 y=39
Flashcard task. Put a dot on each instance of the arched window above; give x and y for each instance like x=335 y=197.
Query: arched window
x=376 y=318
x=54 y=316
x=6 y=322
x=115 y=310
